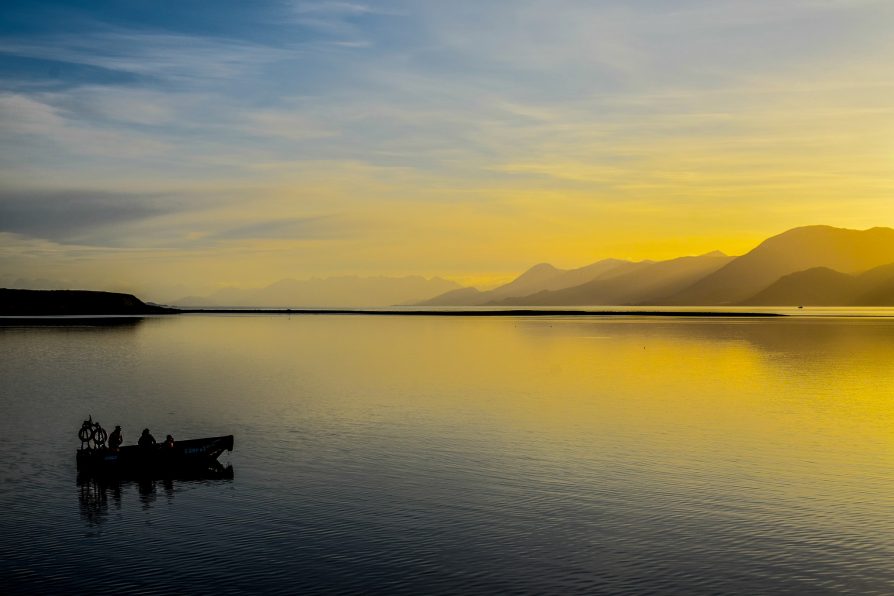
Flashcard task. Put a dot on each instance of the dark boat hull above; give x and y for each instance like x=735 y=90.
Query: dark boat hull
x=184 y=455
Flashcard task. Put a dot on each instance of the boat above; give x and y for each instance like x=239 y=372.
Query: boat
x=193 y=454
x=119 y=476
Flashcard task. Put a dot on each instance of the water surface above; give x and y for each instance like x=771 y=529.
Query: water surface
x=458 y=455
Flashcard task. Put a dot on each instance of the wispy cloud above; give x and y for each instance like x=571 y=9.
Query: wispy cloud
x=333 y=14
x=289 y=228
x=293 y=124
x=73 y=215
x=31 y=117
x=333 y=7
x=163 y=56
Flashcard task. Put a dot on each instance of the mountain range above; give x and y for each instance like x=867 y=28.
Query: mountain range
x=811 y=265
x=822 y=286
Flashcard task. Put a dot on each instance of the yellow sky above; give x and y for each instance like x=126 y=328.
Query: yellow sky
x=469 y=145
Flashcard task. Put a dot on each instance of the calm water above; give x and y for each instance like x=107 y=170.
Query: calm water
x=458 y=455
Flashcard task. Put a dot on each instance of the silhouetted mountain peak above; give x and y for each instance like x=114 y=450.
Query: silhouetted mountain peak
x=798 y=249
x=827 y=235
x=822 y=286
x=824 y=253
x=617 y=282
x=529 y=281
x=539 y=270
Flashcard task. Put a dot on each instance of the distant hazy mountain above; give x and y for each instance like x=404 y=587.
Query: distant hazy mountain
x=348 y=291
x=539 y=278
x=828 y=262
x=845 y=251
x=532 y=280
x=829 y=266
x=822 y=286
x=460 y=297
x=638 y=283
x=819 y=286
x=545 y=277
x=880 y=287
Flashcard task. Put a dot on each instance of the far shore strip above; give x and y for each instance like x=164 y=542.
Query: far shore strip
x=480 y=313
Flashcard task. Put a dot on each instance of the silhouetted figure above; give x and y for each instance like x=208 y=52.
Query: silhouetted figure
x=115 y=439
x=169 y=442
x=146 y=439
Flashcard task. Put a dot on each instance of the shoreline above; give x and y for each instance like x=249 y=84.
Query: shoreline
x=478 y=313
x=72 y=318
x=73 y=306
x=130 y=318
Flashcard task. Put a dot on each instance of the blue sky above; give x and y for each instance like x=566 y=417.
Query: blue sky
x=244 y=142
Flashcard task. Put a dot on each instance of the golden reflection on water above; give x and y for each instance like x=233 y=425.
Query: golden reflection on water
x=787 y=389
x=631 y=454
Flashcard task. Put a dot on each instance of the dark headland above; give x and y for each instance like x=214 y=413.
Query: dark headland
x=29 y=303
x=36 y=303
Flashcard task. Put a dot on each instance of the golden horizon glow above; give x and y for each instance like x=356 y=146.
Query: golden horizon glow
x=471 y=152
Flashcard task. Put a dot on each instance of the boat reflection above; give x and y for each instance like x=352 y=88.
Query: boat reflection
x=100 y=493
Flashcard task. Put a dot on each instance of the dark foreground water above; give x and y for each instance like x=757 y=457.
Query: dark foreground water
x=455 y=455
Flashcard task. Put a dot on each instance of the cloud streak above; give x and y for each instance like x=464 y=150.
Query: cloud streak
x=162 y=56
x=73 y=215
x=290 y=228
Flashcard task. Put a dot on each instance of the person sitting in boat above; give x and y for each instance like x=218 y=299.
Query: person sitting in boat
x=169 y=442
x=115 y=439
x=146 y=439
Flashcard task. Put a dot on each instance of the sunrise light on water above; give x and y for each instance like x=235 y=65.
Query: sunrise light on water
x=400 y=297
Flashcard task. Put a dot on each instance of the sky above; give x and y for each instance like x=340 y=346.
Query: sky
x=170 y=148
